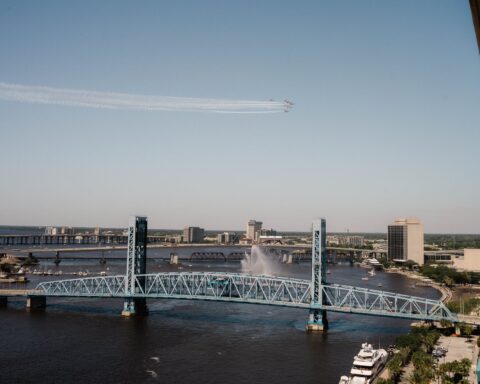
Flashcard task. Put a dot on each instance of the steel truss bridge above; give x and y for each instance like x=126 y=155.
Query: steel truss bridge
x=241 y=288
x=317 y=295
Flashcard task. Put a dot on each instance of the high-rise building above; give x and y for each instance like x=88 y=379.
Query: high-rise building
x=253 y=229
x=227 y=238
x=405 y=240
x=193 y=234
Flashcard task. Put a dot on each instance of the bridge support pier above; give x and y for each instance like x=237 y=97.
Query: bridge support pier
x=36 y=302
x=317 y=321
x=135 y=307
x=173 y=259
x=136 y=267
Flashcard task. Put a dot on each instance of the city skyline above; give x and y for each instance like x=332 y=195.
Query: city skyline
x=394 y=135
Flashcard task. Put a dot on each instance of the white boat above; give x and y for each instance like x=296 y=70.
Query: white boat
x=365 y=278
x=367 y=364
x=372 y=272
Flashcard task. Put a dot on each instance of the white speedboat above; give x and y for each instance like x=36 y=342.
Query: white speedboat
x=372 y=272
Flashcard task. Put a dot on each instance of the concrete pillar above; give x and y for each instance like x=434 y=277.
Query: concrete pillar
x=284 y=258
x=135 y=307
x=290 y=259
x=317 y=321
x=36 y=302
x=173 y=259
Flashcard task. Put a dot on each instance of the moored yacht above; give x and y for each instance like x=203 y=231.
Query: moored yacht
x=366 y=365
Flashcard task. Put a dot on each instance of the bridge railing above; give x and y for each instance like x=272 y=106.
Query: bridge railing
x=341 y=298
x=227 y=287
x=109 y=286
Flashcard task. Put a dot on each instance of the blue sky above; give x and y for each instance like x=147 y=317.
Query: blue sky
x=385 y=123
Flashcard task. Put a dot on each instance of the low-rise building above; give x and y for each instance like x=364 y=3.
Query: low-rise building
x=469 y=261
x=50 y=231
x=332 y=240
x=346 y=240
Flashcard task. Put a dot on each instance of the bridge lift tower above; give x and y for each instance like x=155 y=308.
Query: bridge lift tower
x=317 y=321
x=136 y=265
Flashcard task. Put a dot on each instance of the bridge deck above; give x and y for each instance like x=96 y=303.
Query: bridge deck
x=17 y=292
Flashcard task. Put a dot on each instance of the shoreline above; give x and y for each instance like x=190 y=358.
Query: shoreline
x=446 y=292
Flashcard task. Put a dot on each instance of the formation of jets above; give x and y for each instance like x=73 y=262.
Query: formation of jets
x=288 y=105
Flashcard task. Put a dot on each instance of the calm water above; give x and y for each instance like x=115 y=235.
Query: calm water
x=84 y=340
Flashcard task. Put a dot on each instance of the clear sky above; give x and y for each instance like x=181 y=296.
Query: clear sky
x=385 y=123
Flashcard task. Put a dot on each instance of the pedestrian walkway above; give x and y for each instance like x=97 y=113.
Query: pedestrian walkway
x=459 y=348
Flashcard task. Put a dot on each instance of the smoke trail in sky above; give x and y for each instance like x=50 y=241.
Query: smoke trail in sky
x=110 y=100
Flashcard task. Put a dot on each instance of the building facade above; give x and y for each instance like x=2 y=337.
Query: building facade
x=268 y=232
x=470 y=261
x=227 y=238
x=253 y=230
x=405 y=240
x=346 y=240
x=193 y=234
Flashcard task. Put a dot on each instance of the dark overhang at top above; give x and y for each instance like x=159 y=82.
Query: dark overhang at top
x=475 y=7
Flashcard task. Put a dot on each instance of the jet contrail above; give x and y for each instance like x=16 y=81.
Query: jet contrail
x=110 y=100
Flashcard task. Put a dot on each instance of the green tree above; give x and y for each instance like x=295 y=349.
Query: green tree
x=395 y=366
x=421 y=376
x=423 y=363
x=446 y=323
x=429 y=339
x=448 y=281
x=409 y=340
x=30 y=260
x=421 y=359
x=384 y=381
x=455 y=372
x=467 y=330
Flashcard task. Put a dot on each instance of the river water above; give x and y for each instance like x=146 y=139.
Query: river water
x=86 y=340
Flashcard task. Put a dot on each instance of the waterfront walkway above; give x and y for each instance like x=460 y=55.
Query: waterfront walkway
x=459 y=348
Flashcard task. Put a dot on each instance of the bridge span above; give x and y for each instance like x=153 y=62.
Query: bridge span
x=316 y=295
x=242 y=288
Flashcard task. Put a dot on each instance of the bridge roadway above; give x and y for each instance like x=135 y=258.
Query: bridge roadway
x=242 y=288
